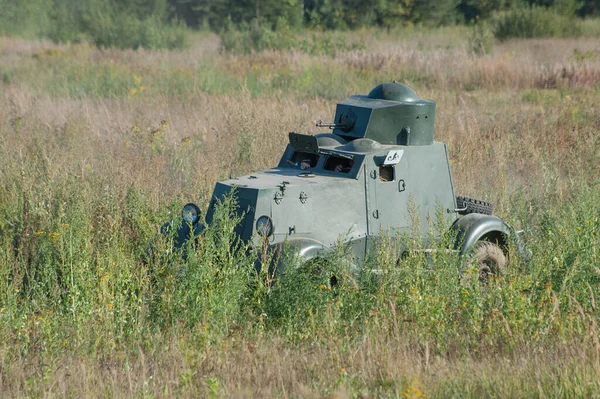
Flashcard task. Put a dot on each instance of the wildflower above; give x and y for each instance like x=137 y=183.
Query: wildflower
x=132 y=91
x=157 y=133
x=40 y=233
x=137 y=80
x=412 y=392
x=65 y=225
x=54 y=235
x=110 y=306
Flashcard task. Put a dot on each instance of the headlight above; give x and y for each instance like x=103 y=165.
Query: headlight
x=264 y=226
x=191 y=213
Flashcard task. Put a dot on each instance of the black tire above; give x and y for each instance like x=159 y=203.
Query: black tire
x=470 y=205
x=491 y=260
x=321 y=271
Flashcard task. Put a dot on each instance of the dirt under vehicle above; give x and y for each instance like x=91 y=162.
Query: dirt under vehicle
x=358 y=181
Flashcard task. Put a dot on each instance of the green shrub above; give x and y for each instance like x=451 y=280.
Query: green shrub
x=531 y=22
x=590 y=27
x=482 y=39
x=245 y=39
x=24 y=18
x=118 y=30
x=102 y=22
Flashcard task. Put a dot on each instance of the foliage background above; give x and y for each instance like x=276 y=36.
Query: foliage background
x=160 y=23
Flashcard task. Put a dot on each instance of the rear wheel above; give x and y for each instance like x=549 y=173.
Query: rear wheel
x=491 y=260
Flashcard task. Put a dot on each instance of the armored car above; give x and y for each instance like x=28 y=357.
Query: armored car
x=378 y=163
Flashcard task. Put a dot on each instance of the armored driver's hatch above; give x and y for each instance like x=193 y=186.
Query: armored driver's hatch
x=391 y=113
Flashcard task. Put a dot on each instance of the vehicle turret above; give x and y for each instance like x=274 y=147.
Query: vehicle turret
x=391 y=113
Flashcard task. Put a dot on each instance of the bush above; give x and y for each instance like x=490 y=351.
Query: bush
x=130 y=32
x=245 y=39
x=531 y=22
x=106 y=27
x=482 y=39
x=101 y=22
x=24 y=18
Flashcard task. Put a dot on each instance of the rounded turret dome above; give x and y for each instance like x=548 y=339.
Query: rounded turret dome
x=394 y=91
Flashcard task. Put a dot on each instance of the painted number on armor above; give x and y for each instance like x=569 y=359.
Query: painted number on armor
x=393 y=157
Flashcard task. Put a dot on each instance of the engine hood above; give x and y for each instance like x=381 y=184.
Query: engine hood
x=273 y=178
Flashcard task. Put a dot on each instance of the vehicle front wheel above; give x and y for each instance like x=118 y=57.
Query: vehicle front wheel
x=491 y=260
x=321 y=270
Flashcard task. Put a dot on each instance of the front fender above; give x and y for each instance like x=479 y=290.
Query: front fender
x=475 y=227
x=292 y=250
x=305 y=248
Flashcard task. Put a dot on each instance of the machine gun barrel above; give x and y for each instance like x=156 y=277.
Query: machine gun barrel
x=330 y=125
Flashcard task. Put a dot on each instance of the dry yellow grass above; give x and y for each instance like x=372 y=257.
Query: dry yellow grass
x=522 y=128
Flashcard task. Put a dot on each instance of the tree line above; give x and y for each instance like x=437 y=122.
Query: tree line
x=352 y=14
x=162 y=23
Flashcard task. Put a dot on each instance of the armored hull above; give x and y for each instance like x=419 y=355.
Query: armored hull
x=379 y=170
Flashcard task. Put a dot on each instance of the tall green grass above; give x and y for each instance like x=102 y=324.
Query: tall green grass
x=99 y=148
x=74 y=280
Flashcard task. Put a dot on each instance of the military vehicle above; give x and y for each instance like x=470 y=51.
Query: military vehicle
x=356 y=182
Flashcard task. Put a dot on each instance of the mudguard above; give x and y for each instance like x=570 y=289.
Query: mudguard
x=297 y=249
x=475 y=227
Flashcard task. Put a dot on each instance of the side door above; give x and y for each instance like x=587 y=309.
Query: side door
x=387 y=198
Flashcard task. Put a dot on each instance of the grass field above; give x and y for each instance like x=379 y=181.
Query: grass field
x=99 y=147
